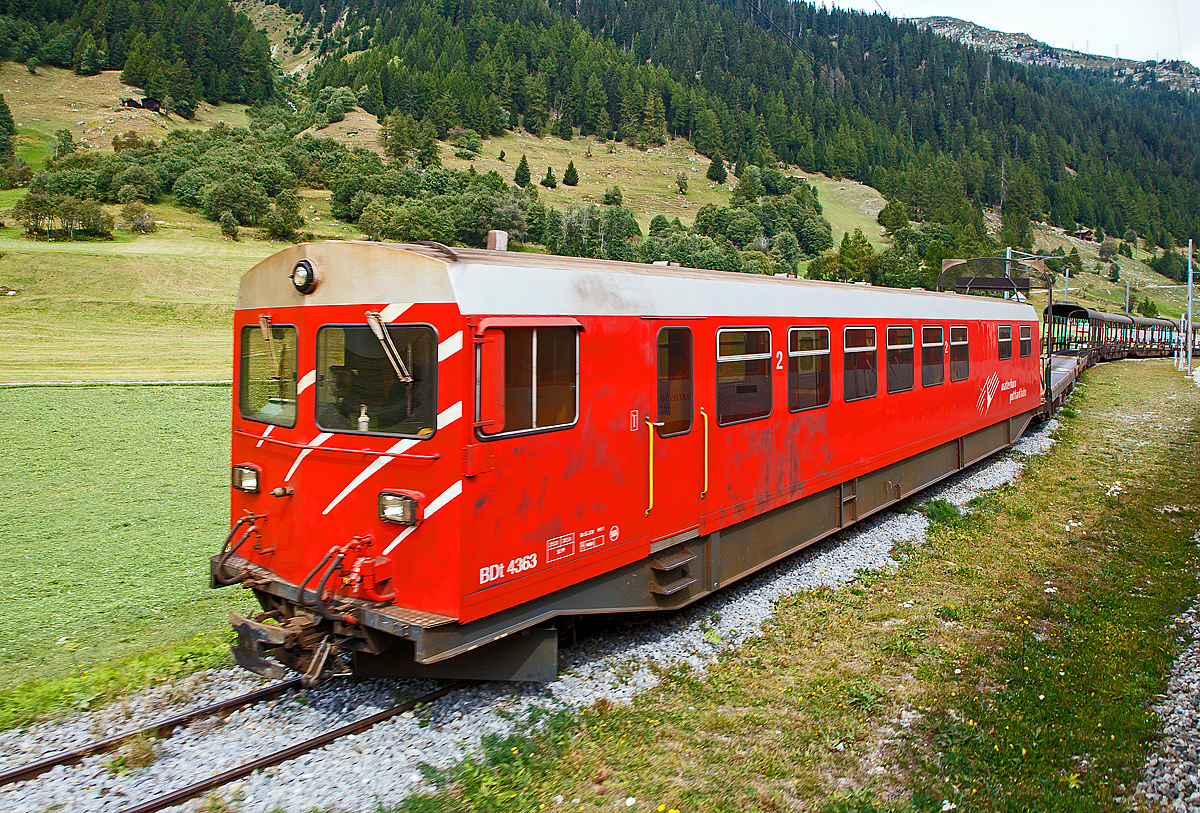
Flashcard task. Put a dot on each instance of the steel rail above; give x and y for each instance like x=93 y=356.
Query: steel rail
x=160 y=729
x=245 y=769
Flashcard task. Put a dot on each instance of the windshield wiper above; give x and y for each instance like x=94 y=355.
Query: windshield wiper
x=389 y=349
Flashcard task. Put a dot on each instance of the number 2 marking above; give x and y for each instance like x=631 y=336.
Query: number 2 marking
x=778 y=359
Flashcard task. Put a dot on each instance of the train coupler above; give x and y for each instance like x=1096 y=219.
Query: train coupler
x=296 y=643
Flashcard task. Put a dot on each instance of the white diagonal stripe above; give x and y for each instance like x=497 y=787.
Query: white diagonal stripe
x=449 y=347
x=312 y=444
x=307 y=381
x=448 y=416
x=266 y=432
x=394 y=310
x=444 y=498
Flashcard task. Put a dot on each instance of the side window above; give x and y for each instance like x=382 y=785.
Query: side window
x=540 y=375
x=1026 y=340
x=1004 y=341
x=899 y=359
x=860 y=376
x=960 y=353
x=808 y=368
x=933 y=357
x=267 y=374
x=674 y=381
x=743 y=375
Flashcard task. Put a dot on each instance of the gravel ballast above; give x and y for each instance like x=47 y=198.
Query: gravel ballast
x=356 y=773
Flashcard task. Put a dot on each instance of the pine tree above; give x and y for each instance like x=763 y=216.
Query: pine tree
x=548 y=181
x=6 y=120
x=716 y=169
x=571 y=177
x=521 y=177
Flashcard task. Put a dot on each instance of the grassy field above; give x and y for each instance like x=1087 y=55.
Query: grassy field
x=1006 y=665
x=90 y=107
x=116 y=496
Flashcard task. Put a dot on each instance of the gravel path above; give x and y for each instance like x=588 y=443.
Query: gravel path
x=382 y=764
x=1171 y=776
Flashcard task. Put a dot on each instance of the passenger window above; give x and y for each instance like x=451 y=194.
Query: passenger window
x=743 y=375
x=1026 y=340
x=1004 y=341
x=960 y=353
x=360 y=389
x=933 y=357
x=899 y=359
x=674 y=381
x=267 y=374
x=540 y=379
x=808 y=368
x=860 y=378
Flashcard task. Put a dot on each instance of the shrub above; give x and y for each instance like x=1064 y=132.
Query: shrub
x=229 y=225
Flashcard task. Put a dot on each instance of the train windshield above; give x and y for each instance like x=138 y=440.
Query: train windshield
x=384 y=387
x=267 y=374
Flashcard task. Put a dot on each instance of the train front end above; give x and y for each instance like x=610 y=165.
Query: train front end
x=346 y=441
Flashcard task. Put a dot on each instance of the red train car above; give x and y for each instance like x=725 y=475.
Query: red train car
x=439 y=451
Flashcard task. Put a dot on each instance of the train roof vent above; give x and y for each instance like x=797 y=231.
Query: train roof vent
x=497 y=240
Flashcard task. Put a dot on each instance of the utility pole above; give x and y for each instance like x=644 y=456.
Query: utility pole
x=1066 y=282
x=1126 y=297
x=1188 y=337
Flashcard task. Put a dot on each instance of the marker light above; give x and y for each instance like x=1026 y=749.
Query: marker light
x=244 y=478
x=400 y=509
x=304 y=277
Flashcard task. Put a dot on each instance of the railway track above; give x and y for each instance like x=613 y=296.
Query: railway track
x=163 y=728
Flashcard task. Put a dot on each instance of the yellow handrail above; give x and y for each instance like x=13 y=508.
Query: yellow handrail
x=705 y=491
x=650 y=426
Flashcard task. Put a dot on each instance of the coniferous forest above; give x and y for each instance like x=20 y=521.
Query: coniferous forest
x=941 y=129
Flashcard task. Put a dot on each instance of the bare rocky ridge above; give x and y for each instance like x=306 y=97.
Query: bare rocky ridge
x=1025 y=49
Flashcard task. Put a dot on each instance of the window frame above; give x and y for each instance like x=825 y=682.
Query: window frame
x=1001 y=342
x=745 y=357
x=317 y=382
x=691 y=379
x=941 y=346
x=295 y=375
x=1025 y=340
x=828 y=353
x=965 y=343
x=874 y=348
x=536 y=430
x=911 y=346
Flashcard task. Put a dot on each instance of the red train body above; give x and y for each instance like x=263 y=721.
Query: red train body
x=520 y=437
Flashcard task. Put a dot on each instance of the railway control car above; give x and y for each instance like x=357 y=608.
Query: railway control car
x=438 y=452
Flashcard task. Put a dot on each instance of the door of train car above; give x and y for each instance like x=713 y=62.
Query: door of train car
x=677 y=433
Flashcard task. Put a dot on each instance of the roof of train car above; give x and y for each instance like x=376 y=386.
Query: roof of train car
x=515 y=283
x=1077 y=311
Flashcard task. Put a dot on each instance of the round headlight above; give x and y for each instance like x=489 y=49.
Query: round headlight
x=304 y=277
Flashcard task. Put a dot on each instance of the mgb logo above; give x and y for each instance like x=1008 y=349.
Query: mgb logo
x=987 y=392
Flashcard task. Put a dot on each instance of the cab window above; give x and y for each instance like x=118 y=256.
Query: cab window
x=267 y=374
x=1004 y=341
x=1026 y=340
x=364 y=386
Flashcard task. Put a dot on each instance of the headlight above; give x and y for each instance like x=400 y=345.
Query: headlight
x=244 y=478
x=402 y=509
x=304 y=277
